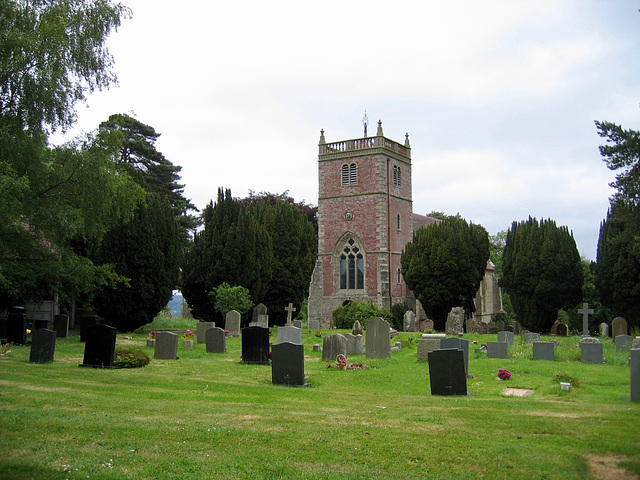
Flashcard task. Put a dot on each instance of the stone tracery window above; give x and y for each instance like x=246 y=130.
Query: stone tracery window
x=351 y=267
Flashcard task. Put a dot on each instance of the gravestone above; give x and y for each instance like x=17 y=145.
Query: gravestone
x=258 y=310
x=43 y=346
x=619 y=327
x=255 y=345
x=497 y=350
x=287 y=364
x=604 y=330
x=635 y=343
x=263 y=321
x=505 y=336
x=216 y=340
x=357 y=328
x=562 y=330
x=334 y=345
x=428 y=324
x=289 y=309
x=460 y=344
x=355 y=344
x=585 y=311
x=591 y=352
x=634 y=363
x=428 y=343
x=623 y=342
x=166 y=346
x=289 y=334
x=201 y=330
x=530 y=337
x=446 y=372
x=544 y=351
x=314 y=324
x=409 y=321
x=61 y=325
x=491 y=328
x=455 y=321
x=500 y=325
x=378 y=343
x=232 y=323
x=474 y=326
x=297 y=324
x=100 y=346
x=17 y=326
x=517 y=328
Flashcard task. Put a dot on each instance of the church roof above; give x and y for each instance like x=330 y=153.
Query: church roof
x=423 y=221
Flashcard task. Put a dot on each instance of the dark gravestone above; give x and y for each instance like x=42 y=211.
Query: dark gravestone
x=505 y=336
x=334 y=345
x=460 y=344
x=562 y=330
x=497 y=350
x=287 y=364
x=623 y=342
x=100 y=346
x=86 y=321
x=544 y=351
x=61 y=326
x=530 y=337
x=43 y=346
x=619 y=327
x=17 y=326
x=446 y=372
x=634 y=362
x=255 y=345
x=216 y=340
x=591 y=353
x=166 y=346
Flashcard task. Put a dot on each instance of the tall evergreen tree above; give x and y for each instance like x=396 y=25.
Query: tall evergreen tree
x=542 y=272
x=444 y=264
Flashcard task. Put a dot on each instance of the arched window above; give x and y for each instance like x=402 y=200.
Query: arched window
x=349 y=174
x=398 y=222
x=351 y=267
x=399 y=276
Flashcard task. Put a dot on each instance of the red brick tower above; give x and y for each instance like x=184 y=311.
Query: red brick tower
x=365 y=219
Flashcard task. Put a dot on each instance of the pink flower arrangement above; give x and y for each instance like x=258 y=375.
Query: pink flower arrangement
x=504 y=374
x=152 y=335
x=188 y=335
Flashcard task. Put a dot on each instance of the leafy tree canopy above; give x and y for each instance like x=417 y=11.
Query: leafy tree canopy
x=227 y=298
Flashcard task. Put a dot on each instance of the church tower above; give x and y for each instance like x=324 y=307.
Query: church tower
x=365 y=220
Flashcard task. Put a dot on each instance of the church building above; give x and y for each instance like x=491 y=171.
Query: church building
x=365 y=219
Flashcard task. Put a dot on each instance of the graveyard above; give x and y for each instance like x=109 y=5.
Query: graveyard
x=210 y=414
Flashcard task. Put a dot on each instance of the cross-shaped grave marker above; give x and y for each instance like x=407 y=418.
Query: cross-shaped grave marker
x=290 y=311
x=585 y=311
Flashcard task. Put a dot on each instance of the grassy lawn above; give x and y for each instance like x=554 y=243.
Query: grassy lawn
x=210 y=416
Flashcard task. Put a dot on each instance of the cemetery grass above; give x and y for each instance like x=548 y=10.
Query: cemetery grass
x=211 y=416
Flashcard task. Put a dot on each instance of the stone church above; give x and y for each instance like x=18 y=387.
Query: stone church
x=365 y=219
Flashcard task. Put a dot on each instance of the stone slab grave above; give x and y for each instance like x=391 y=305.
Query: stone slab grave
x=287 y=364
x=201 y=330
x=166 y=346
x=623 y=342
x=255 y=345
x=530 y=337
x=260 y=309
x=61 y=325
x=17 y=326
x=634 y=363
x=455 y=321
x=314 y=325
x=355 y=344
x=460 y=344
x=86 y=321
x=544 y=351
x=591 y=352
x=446 y=372
x=334 y=345
x=378 y=342
x=428 y=343
x=604 y=330
x=409 y=321
x=232 y=323
x=517 y=392
x=635 y=343
x=497 y=350
x=43 y=346
x=507 y=337
x=100 y=346
x=559 y=329
x=619 y=327
x=289 y=334
x=216 y=340
x=297 y=324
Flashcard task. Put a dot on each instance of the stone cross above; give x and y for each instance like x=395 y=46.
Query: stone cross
x=585 y=311
x=290 y=311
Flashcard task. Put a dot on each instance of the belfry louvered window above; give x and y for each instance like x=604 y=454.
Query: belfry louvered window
x=397 y=176
x=349 y=174
x=351 y=267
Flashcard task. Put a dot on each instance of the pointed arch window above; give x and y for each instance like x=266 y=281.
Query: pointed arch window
x=351 y=267
x=349 y=174
x=398 y=222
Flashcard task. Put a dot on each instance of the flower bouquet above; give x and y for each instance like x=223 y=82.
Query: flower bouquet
x=504 y=374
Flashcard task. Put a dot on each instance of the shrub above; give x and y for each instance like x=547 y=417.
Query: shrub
x=346 y=315
x=131 y=358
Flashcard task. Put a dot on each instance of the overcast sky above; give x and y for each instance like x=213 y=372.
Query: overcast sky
x=498 y=97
